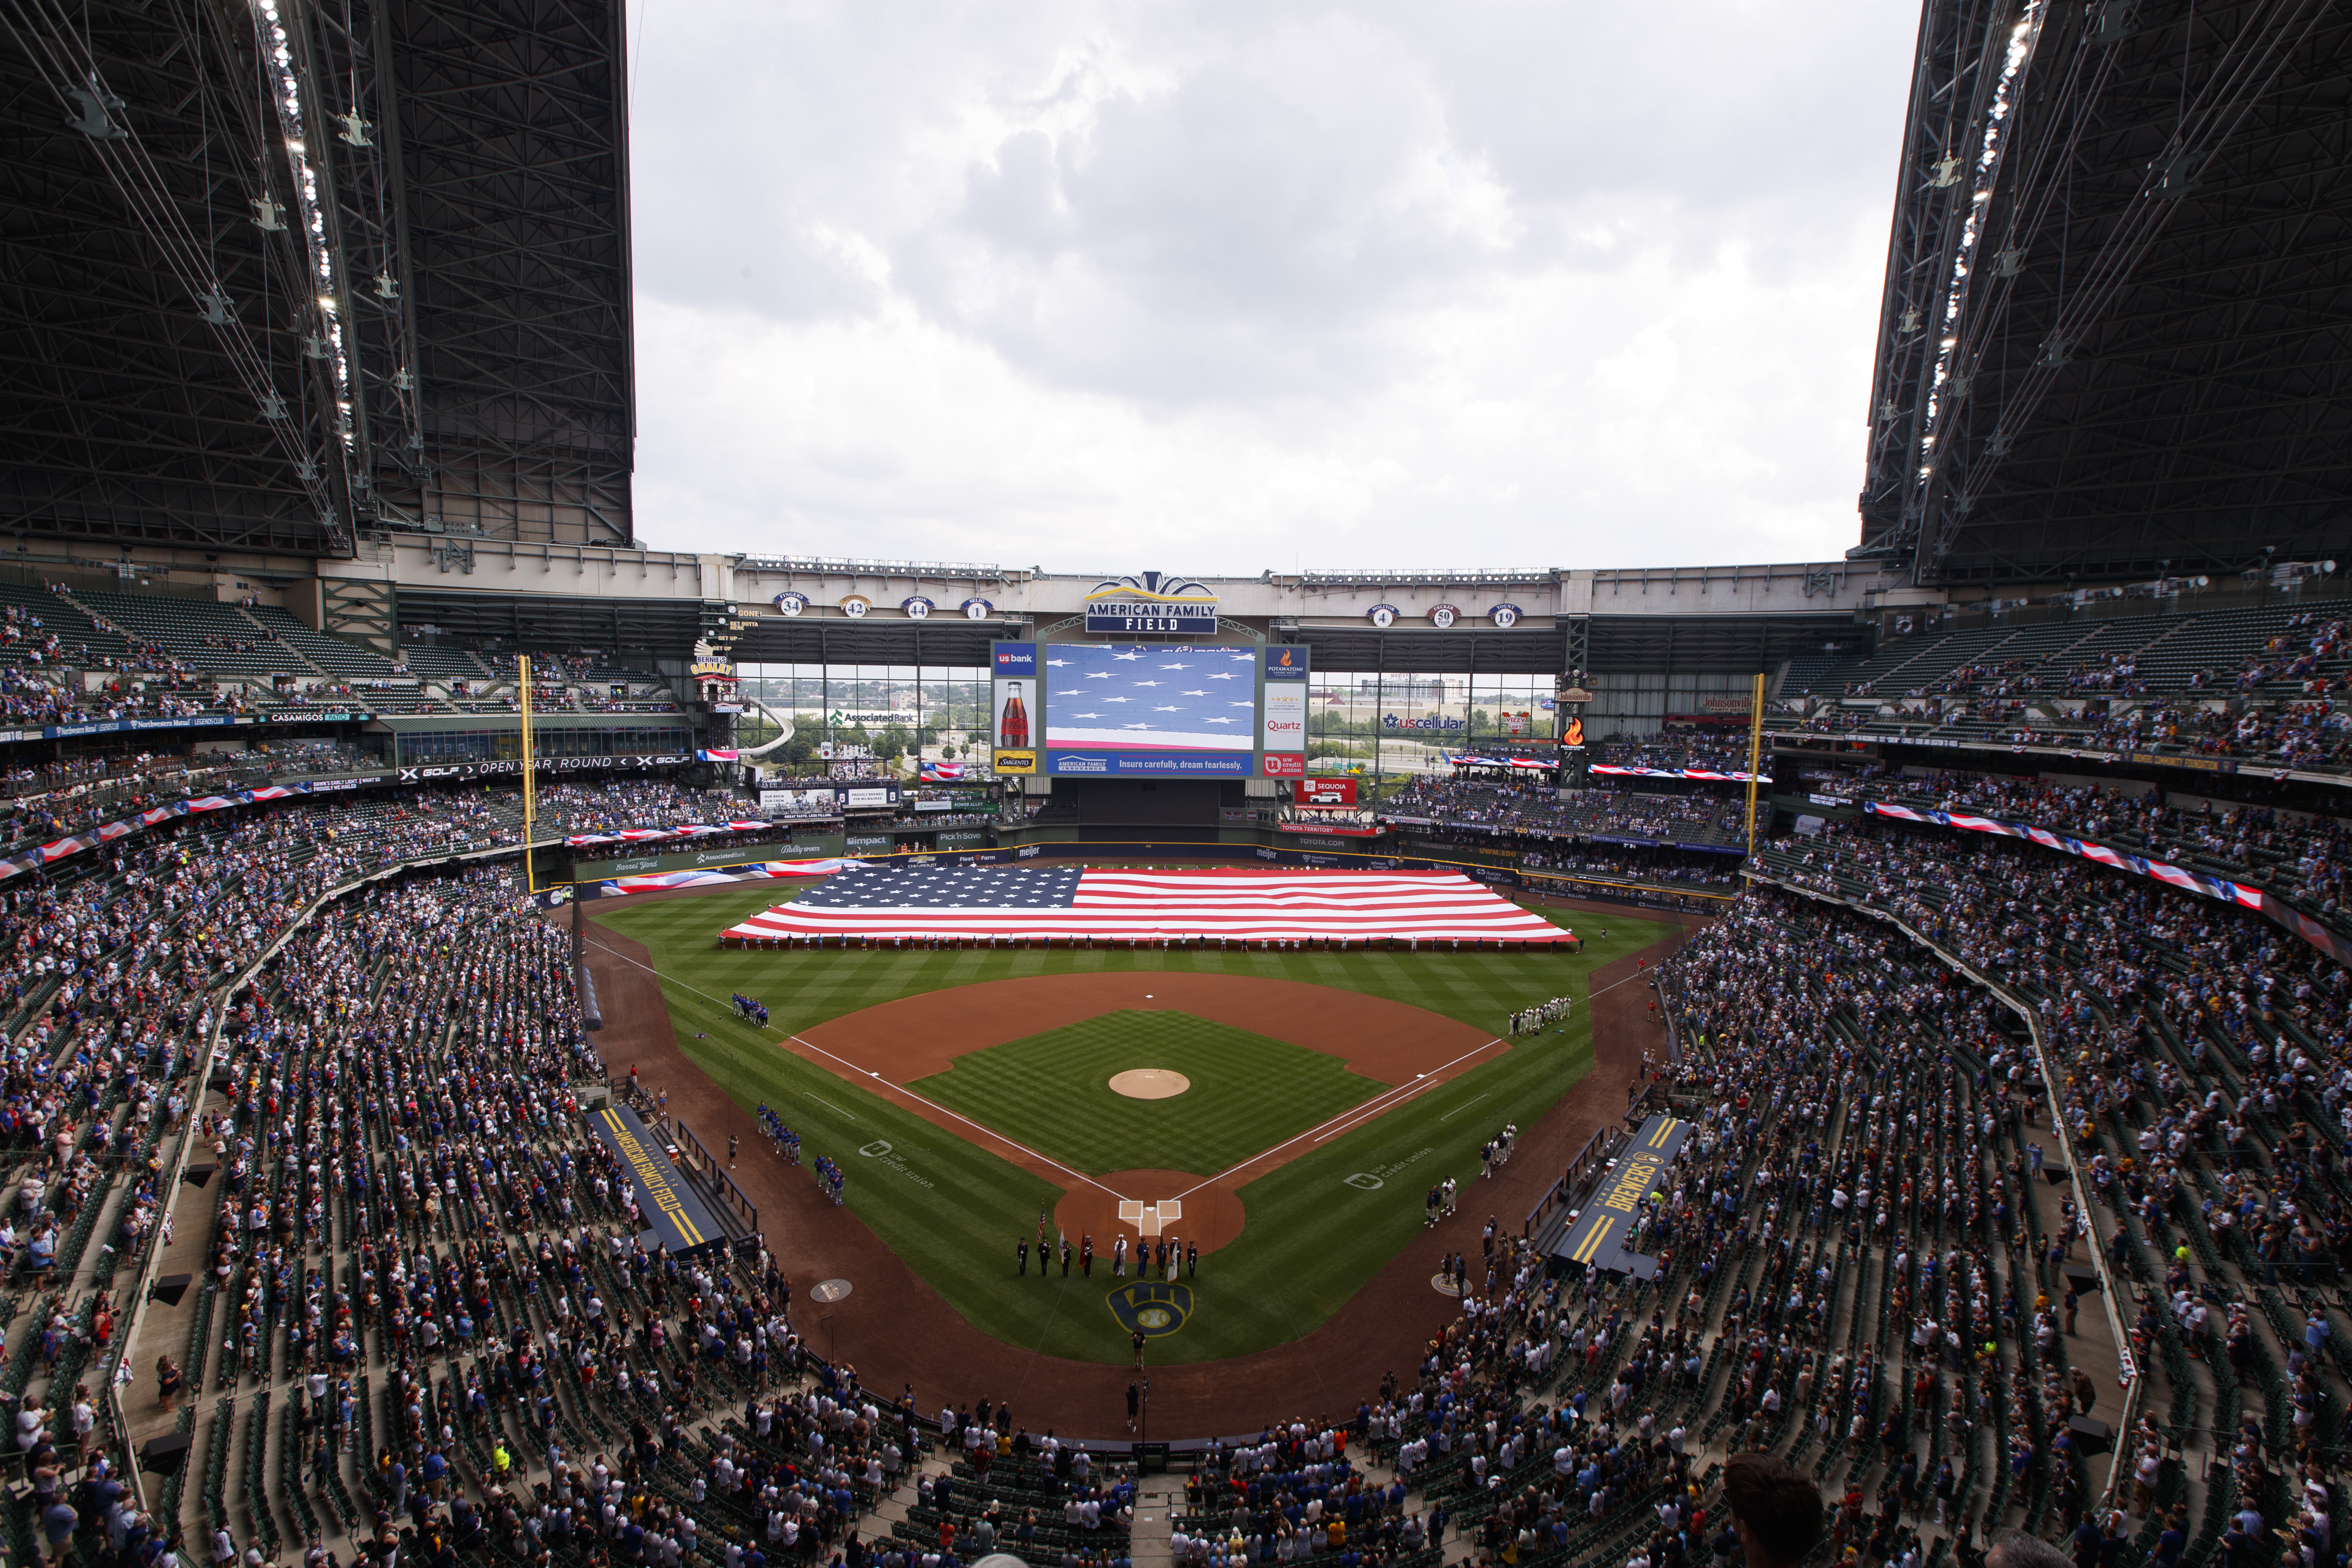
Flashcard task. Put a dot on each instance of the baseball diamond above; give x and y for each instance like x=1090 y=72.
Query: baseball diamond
x=778 y=790
x=987 y=1073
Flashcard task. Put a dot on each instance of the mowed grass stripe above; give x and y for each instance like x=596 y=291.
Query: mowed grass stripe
x=955 y=1213
x=1051 y=1092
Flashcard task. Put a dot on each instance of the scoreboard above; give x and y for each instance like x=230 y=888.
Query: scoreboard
x=1104 y=709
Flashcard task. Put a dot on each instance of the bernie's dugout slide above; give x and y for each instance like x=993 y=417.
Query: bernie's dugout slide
x=1597 y=1239
x=677 y=1218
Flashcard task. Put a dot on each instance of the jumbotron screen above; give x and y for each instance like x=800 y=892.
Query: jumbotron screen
x=1091 y=710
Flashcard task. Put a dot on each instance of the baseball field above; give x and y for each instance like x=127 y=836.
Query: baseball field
x=1284 y=1111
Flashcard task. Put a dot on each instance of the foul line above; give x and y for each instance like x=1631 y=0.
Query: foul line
x=868 y=1072
x=1393 y=1096
x=1352 y=1116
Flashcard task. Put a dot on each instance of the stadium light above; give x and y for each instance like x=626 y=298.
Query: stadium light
x=1986 y=169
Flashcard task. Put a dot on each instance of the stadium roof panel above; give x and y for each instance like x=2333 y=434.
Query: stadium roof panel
x=2114 y=339
x=392 y=290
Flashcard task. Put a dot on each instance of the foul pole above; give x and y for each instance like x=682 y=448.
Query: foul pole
x=1755 y=752
x=530 y=793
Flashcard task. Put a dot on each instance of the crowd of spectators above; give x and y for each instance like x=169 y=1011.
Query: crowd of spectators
x=2298 y=655
x=1610 y=808
x=616 y=804
x=2198 y=1056
x=1709 y=753
x=414 y=1249
x=2303 y=856
x=1660 y=865
x=417 y=1254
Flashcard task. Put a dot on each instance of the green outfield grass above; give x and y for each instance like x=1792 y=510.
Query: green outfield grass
x=1319 y=1228
x=1051 y=1092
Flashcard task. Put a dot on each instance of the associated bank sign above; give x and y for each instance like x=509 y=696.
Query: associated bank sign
x=1153 y=603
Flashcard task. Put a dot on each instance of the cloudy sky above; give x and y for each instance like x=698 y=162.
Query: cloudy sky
x=1218 y=287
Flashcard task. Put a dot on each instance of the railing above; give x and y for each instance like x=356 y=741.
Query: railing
x=1666 y=1010
x=1583 y=1167
x=703 y=1163
x=2130 y=1373
x=217 y=1005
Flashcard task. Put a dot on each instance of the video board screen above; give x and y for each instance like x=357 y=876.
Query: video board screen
x=1150 y=711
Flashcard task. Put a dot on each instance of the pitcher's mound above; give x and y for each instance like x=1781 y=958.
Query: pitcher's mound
x=1149 y=1083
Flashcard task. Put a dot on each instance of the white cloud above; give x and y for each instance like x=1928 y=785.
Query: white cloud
x=1219 y=289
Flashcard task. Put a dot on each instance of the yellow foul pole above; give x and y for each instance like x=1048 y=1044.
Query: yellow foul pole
x=531 y=792
x=1755 y=752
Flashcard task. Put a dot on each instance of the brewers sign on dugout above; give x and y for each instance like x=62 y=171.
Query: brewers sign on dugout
x=1597 y=1239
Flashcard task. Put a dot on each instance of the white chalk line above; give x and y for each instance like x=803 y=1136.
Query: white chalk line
x=1387 y=1099
x=877 y=1078
x=1352 y=1116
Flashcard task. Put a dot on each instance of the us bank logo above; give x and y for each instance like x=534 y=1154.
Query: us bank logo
x=1016 y=659
x=1152 y=1307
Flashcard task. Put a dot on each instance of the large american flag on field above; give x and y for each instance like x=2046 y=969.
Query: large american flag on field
x=1148 y=906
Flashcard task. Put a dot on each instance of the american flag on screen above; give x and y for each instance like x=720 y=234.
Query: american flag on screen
x=1055 y=901
x=1123 y=697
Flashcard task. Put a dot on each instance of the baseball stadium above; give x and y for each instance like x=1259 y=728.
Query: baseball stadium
x=526 y=1047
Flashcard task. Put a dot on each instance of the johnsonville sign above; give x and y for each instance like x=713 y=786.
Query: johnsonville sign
x=1152 y=604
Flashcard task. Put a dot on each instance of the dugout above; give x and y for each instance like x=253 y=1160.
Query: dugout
x=672 y=1210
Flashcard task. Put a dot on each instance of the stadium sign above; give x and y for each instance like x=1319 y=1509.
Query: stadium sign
x=1153 y=601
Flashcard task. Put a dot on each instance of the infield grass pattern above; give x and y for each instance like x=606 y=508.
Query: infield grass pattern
x=1052 y=1091
x=1312 y=1239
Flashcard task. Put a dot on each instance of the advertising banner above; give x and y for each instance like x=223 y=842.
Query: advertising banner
x=1324 y=793
x=1285 y=719
x=1013 y=707
x=802 y=801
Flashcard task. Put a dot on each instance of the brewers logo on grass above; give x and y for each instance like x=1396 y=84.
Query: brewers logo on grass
x=1151 y=1308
